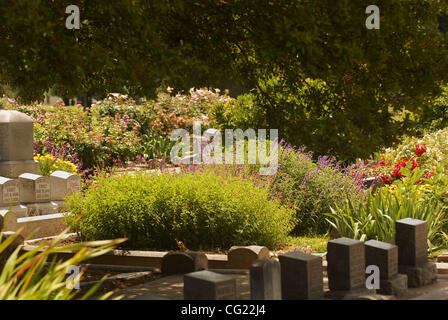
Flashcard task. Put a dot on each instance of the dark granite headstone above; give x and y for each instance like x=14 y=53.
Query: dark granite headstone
x=183 y=262
x=302 y=276
x=265 y=280
x=411 y=235
x=208 y=285
x=383 y=255
x=346 y=264
x=411 y=239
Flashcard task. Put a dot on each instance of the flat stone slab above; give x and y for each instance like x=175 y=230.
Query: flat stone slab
x=10 y=222
x=42 y=226
x=44 y=208
x=12 y=169
x=171 y=288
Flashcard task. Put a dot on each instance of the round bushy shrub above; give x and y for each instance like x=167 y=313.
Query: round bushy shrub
x=311 y=187
x=202 y=208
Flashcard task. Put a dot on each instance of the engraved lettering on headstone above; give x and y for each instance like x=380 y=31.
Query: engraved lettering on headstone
x=42 y=191
x=11 y=193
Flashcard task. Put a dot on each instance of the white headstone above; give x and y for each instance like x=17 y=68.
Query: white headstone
x=63 y=184
x=9 y=192
x=16 y=144
x=34 y=188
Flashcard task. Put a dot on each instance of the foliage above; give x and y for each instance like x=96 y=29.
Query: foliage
x=375 y=218
x=143 y=44
x=36 y=275
x=48 y=164
x=206 y=208
x=311 y=187
x=116 y=129
x=242 y=113
x=435 y=145
x=435 y=115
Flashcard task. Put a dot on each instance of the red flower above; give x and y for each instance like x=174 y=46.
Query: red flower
x=386 y=179
x=420 y=149
x=428 y=175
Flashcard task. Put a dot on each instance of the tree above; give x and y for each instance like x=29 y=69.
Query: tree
x=142 y=44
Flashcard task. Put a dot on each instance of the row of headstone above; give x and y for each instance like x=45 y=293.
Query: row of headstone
x=299 y=276
x=33 y=188
x=19 y=178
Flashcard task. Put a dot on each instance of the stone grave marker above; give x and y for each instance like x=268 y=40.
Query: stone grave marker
x=208 y=285
x=242 y=257
x=9 y=192
x=16 y=144
x=385 y=256
x=10 y=221
x=411 y=239
x=34 y=188
x=63 y=184
x=183 y=262
x=302 y=276
x=265 y=280
x=346 y=269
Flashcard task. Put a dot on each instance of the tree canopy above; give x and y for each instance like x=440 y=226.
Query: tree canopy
x=143 y=44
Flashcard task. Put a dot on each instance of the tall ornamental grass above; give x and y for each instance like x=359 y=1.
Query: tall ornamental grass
x=375 y=218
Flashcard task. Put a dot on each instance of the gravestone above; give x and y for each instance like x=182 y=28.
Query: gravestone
x=63 y=184
x=411 y=239
x=302 y=276
x=242 y=257
x=346 y=269
x=385 y=256
x=10 y=216
x=9 y=192
x=265 y=280
x=34 y=188
x=208 y=285
x=183 y=262
x=16 y=144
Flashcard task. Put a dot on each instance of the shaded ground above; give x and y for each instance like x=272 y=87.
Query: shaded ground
x=171 y=288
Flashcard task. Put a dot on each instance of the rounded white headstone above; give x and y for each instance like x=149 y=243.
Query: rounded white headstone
x=16 y=136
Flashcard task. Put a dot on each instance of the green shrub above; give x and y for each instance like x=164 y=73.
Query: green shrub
x=202 y=208
x=311 y=187
x=36 y=275
x=375 y=218
x=242 y=113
